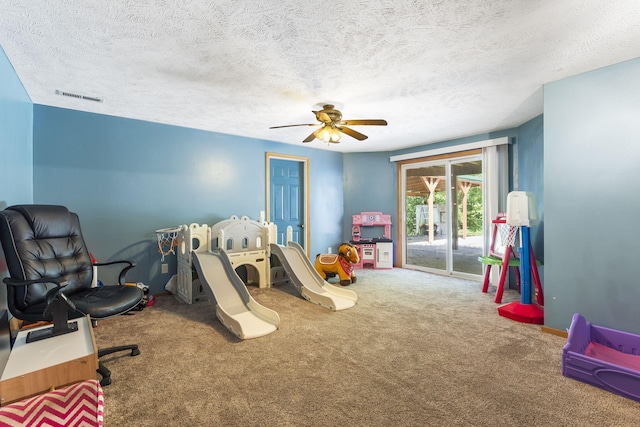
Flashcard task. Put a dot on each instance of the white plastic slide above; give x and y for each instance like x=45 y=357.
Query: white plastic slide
x=235 y=307
x=308 y=282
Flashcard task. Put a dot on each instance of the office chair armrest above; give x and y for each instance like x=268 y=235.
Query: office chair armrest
x=52 y=294
x=123 y=272
x=19 y=282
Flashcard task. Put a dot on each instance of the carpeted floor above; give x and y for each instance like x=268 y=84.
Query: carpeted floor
x=417 y=350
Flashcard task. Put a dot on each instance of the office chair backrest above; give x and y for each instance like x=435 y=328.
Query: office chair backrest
x=42 y=241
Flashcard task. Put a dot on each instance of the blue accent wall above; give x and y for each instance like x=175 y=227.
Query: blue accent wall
x=591 y=158
x=530 y=152
x=369 y=186
x=16 y=147
x=126 y=178
x=16 y=135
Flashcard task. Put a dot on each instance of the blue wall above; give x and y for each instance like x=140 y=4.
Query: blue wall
x=530 y=152
x=16 y=147
x=369 y=186
x=16 y=130
x=126 y=178
x=591 y=158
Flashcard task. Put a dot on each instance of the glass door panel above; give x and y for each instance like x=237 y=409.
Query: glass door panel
x=467 y=233
x=425 y=213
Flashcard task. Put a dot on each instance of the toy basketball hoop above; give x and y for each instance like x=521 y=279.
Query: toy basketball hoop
x=521 y=213
x=504 y=235
x=167 y=240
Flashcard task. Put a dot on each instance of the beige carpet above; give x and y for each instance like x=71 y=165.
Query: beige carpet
x=417 y=350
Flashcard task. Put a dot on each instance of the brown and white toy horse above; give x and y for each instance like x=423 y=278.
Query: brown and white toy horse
x=341 y=264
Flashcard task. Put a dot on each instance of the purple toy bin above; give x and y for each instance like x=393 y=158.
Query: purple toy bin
x=603 y=357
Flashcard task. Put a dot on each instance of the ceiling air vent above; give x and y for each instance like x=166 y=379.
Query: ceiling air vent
x=78 y=96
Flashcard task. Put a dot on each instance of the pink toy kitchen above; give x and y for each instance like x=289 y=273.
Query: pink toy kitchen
x=371 y=235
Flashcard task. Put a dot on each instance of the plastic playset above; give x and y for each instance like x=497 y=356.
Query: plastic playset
x=209 y=259
x=521 y=213
x=603 y=357
x=503 y=255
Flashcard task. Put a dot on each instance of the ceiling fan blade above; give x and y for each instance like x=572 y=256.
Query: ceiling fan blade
x=352 y=133
x=376 y=122
x=312 y=136
x=289 y=126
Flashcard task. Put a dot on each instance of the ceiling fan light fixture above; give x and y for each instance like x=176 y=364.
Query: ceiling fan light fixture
x=329 y=134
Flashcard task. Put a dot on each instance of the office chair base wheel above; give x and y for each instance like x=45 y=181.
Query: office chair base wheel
x=104 y=372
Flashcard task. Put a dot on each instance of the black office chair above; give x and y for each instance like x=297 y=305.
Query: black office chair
x=51 y=273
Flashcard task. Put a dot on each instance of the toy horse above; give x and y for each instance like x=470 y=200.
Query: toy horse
x=341 y=264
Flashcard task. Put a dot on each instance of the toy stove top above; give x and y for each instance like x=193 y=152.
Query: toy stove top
x=372 y=240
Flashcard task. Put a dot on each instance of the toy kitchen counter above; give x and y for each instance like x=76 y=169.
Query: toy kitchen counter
x=371 y=236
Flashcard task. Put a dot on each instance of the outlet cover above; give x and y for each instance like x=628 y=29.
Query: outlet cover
x=165 y=268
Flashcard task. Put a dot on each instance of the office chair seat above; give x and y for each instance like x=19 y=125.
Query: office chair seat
x=99 y=303
x=107 y=301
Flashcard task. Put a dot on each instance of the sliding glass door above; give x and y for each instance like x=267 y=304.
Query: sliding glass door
x=425 y=205
x=443 y=215
x=467 y=234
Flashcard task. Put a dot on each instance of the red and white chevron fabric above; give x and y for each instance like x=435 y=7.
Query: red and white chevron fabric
x=78 y=405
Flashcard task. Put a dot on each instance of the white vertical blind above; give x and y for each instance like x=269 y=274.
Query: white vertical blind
x=495 y=175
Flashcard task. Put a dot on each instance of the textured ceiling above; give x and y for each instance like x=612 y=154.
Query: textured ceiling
x=434 y=69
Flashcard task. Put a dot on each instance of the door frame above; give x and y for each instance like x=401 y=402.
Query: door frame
x=306 y=192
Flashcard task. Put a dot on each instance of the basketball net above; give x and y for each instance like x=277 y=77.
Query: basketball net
x=508 y=234
x=167 y=241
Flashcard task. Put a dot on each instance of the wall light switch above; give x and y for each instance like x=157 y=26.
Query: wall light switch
x=165 y=268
